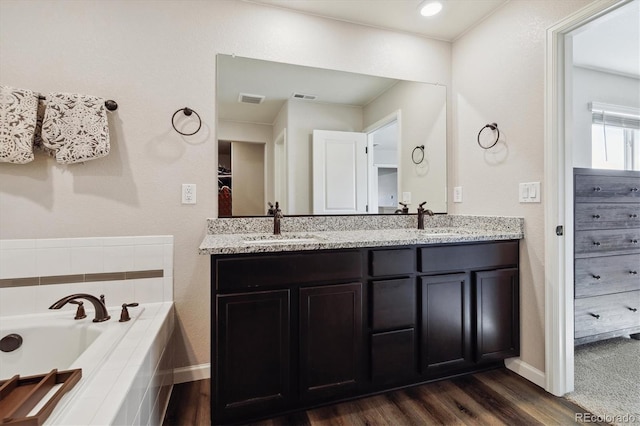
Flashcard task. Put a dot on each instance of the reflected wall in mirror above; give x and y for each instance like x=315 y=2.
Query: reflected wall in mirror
x=326 y=142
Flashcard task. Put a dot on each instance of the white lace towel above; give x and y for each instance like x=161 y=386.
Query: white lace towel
x=18 y=109
x=76 y=127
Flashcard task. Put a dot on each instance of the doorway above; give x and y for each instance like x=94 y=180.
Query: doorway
x=559 y=235
x=241 y=178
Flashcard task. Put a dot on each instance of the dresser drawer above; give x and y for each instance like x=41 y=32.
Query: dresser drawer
x=607 y=216
x=468 y=257
x=605 y=241
x=596 y=189
x=233 y=273
x=392 y=262
x=393 y=304
x=603 y=314
x=608 y=274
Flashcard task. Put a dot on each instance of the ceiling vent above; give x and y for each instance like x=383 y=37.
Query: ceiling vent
x=247 y=98
x=304 y=96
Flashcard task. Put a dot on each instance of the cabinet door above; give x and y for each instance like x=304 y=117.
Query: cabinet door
x=252 y=353
x=498 y=314
x=330 y=340
x=446 y=322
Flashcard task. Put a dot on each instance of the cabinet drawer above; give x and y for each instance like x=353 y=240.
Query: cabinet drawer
x=615 y=311
x=604 y=241
x=608 y=274
x=393 y=304
x=617 y=189
x=468 y=257
x=299 y=268
x=393 y=356
x=391 y=262
x=607 y=216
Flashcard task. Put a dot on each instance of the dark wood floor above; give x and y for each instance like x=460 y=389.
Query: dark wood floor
x=497 y=397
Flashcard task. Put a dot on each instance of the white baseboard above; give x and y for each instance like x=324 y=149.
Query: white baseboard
x=191 y=373
x=525 y=370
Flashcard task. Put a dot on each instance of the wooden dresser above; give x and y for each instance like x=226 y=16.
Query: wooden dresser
x=607 y=254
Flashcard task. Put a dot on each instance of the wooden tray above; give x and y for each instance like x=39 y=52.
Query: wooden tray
x=18 y=396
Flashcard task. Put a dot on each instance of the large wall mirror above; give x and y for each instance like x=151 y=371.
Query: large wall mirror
x=324 y=142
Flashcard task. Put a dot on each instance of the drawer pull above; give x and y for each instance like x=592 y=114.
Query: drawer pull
x=633 y=216
x=597 y=189
x=596 y=216
x=597 y=277
x=634 y=189
x=596 y=316
x=596 y=243
x=633 y=272
x=633 y=309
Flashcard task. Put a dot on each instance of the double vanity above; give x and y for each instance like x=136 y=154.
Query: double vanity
x=340 y=307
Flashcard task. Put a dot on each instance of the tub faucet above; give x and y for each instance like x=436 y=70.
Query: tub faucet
x=277 y=215
x=101 y=311
x=421 y=212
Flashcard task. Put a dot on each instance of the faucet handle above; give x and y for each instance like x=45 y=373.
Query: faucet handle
x=124 y=315
x=80 y=313
x=102 y=300
x=421 y=204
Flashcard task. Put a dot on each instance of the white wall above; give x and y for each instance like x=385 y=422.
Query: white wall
x=154 y=58
x=588 y=86
x=498 y=76
x=303 y=118
x=423 y=122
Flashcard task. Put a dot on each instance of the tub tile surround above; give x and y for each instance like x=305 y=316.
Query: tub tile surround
x=227 y=235
x=134 y=383
x=34 y=273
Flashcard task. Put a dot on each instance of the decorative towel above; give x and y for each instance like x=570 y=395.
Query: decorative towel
x=18 y=108
x=76 y=127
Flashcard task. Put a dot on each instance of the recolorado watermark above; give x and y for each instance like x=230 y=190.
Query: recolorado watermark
x=607 y=418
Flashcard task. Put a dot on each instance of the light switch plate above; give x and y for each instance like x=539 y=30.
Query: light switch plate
x=406 y=197
x=529 y=192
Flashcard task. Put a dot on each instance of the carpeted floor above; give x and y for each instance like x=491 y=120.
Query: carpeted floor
x=607 y=379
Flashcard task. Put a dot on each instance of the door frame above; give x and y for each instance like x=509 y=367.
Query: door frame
x=281 y=140
x=372 y=184
x=558 y=174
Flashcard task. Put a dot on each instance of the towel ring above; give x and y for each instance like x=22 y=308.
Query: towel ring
x=187 y=112
x=420 y=149
x=492 y=126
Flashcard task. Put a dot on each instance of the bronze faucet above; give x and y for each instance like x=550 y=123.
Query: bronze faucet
x=403 y=210
x=101 y=311
x=277 y=215
x=421 y=213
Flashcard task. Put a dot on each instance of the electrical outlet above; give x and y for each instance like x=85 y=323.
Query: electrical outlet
x=457 y=194
x=406 y=197
x=188 y=193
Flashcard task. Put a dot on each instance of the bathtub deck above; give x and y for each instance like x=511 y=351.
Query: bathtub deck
x=493 y=397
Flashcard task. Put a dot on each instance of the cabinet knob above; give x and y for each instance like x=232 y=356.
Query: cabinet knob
x=596 y=316
x=596 y=243
x=634 y=189
x=597 y=189
x=597 y=277
x=633 y=216
x=633 y=272
x=634 y=241
x=596 y=216
x=633 y=309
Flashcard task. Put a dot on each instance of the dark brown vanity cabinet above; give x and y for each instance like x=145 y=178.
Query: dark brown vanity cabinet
x=295 y=330
x=253 y=352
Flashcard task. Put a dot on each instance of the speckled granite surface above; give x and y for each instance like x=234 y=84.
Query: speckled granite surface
x=254 y=235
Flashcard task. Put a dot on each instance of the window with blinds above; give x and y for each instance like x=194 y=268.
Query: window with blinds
x=615 y=137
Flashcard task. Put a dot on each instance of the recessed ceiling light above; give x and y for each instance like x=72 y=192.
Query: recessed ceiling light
x=430 y=8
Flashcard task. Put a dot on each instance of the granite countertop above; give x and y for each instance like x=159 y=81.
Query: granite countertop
x=235 y=243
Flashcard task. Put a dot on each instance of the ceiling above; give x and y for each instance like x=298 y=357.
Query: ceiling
x=456 y=17
x=611 y=43
x=278 y=81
